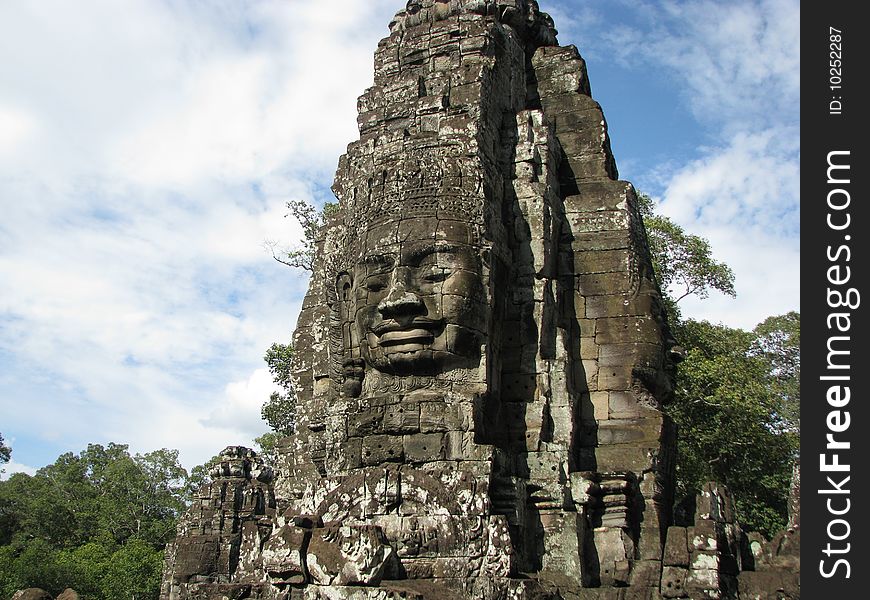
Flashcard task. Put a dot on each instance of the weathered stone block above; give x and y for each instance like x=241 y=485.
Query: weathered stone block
x=588 y=348
x=624 y=405
x=622 y=458
x=636 y=355
x=646 y=574
x=423 y=447
x=620 y=305
x=378 y=449
x=518 y=387
x=601 y=405
x=588 y=168
x=615 y=377
x=283 y=555
x=542 y=465
x=770 y=585
x=586 y=142
x=607 y=240
x=368 y=421
x=559 y=104
x=400 y=418
x=438 y=416
x=627 y=330
x=705 y=535
x=703 y=583
x=350 y=454
x=464 y=95
x=602 y=261
x=616 y=221
x=673 y=583
x=344 y=555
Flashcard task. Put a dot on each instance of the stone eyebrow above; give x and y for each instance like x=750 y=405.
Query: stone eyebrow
x=377 y=259
x=418 y=254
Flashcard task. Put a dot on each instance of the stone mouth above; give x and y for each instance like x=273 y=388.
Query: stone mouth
x=406 y=336
x=416 y=328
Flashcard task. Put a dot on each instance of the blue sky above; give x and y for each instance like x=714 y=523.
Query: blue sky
x=147 y=150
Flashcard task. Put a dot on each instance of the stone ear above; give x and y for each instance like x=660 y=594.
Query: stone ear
x=343 y=286
x=344 y=294
x=353 y=369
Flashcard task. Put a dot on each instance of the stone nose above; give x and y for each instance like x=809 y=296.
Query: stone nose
x=401 y=299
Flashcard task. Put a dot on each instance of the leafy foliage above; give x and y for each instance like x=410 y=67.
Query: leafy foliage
x=312 y=221
x=778 y=342
x=200 y=474
x=134 y=571
x=96 y=521
x=280 y=410
x=5 y=452
x=94 y=570
x=267 y=445
x=737 y=400
x=683 y=263
x=727 y=407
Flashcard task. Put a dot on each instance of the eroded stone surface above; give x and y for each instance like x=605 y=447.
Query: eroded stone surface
x=481 y=359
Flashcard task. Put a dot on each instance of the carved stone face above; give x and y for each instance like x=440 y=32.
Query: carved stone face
x=420 y=302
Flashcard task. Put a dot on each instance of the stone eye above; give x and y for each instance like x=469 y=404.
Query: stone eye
x=436 y=276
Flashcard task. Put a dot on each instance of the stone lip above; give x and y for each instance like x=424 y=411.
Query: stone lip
x=393 y=331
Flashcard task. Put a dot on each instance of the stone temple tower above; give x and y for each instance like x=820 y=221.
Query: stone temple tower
x=481 y=358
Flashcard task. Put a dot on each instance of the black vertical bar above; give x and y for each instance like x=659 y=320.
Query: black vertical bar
x=835 y=226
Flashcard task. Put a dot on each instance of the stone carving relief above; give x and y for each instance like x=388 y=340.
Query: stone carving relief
x=419 y=304
x=481 y=359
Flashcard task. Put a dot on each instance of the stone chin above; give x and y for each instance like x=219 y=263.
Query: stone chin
x=411 y=360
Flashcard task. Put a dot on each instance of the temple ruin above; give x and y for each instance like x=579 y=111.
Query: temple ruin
x=481 y=360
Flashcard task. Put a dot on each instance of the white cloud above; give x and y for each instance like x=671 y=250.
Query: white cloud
x=743 y=197
x=753 y=182
x=147 y=152
x=159 y=144
x=16 y=126
x=12 y=467
x=240 y=407
x=737 y=64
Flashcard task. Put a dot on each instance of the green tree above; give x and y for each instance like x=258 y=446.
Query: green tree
x=727 y=406
x=5 y=453
x=96 y=521
x=778 y=342
x=737 y=398
x=267 y=446
x=105 y=493
x=35 y=564
x=683 y=263
x=85 y=566
x=312 y=221
x=49 y=506
x=134 y=572
x=280 y=410
x=200 y=474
